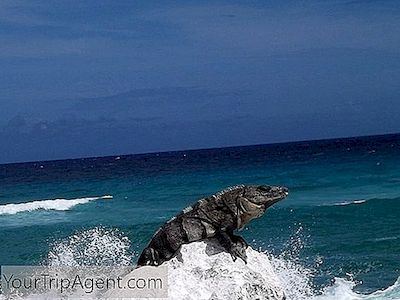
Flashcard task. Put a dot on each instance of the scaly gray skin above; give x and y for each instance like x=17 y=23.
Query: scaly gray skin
x=217 y=217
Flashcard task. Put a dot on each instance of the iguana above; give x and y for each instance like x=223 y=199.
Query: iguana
x=217 y=217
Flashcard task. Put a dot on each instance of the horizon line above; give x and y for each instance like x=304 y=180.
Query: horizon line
x=200 y=149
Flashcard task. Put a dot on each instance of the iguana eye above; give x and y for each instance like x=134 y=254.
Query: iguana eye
x=264 y=188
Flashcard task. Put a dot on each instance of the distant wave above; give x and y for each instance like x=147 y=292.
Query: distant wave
x=361 y=201
x=55 y=204
x=349 y=202
x=392 y=200
x=386 y=238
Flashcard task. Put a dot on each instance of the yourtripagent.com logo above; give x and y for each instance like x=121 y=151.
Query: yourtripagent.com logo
x=84 y=282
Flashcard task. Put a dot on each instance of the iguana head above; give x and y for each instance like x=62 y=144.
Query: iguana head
x=264 y=195
x=250 y=202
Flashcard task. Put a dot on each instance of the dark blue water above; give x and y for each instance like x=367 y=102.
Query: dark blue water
x=341 y=219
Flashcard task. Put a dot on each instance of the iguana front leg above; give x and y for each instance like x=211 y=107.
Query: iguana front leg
x=238 y=239
x=234 y=245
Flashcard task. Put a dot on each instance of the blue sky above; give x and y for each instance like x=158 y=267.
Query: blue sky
x=93 y=78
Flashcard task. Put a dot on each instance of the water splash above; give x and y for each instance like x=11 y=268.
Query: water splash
x=295 y=277
x=94 y=247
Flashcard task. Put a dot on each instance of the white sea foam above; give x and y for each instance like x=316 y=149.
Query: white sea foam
x=54 y=204
x=204 y=271
x=100 y=246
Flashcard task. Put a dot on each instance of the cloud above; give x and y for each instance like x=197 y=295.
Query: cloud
x=171 y=103
x=16 y=123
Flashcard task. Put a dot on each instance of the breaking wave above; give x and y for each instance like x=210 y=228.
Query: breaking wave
x=297 y=283
x=55 y=204
x=343 y=290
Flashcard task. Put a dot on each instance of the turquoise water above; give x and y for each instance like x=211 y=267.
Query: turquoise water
x=341 y=219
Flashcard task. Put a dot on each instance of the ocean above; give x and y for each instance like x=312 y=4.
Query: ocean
x=336 y=236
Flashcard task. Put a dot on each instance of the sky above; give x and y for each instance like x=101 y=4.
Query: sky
x=95 y=78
